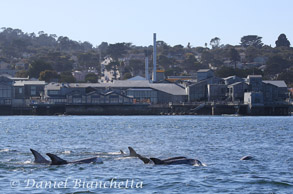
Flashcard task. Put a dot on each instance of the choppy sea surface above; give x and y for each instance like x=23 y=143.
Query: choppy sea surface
x=218 y=142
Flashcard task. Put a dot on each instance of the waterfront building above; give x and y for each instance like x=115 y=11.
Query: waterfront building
x=217 y=92
x=236 y=91
x=26 y=92
x=6 y=90
x=204 y=74
x=141 y=91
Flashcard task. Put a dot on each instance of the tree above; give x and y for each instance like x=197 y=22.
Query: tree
x=276 y=64
x=118 y=50
x=36 y=67
x=91 y=78
x=215 y=42
x=59 y=61
x=135 y=66
x=282 y=41
x=207 y=57
x=21 y=73
x=191 y=63
x=67 y=77
x=251 y=40
x=287 y=76
x=173 y=71
x=165 y=62
x=88 y=59
x=127 y=76
x=48 y=76
x=229 y=71
x=234 y=56
x=251 y=53
x=103 y=48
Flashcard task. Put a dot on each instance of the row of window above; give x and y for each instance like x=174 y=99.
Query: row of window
x=142 y=94
x=5 y=101
x=57 y=100
x=99 y=100
x=33 y=91
x=5 y=93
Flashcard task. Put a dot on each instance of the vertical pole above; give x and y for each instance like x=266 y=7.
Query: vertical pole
x=155 y=59
x=147 y=68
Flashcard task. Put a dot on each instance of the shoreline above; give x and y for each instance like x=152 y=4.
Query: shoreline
x=146 y=109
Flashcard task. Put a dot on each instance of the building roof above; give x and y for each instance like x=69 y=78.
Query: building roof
x=232 y=77
x=136 y=78
x=256 y=76
x=23 y=83
x=278 y=83
x=173 y=89
x=204 y=70
x=169 y=88
x=236 y=83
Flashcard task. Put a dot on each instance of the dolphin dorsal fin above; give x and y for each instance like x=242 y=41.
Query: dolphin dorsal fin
x=246 y=158
x=121 y=151
x=39 y=158
x=132 y=152
x=55 y=160
x=157 y=161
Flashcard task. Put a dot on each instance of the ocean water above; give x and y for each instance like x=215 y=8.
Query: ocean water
x=218 y=142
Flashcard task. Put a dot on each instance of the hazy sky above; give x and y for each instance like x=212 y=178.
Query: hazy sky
x=174 y=21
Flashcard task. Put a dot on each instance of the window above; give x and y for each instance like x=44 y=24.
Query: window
x=33 y=90
x=76 y=100
x=53 y=92
x=5 y=92
x=20 y=90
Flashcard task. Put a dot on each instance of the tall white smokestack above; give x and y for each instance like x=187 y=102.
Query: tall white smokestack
x=155 y=59
x=147 y=68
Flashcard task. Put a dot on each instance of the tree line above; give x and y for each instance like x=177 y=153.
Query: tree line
x=51 y=57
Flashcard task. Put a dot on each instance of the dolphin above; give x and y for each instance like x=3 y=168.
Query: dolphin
x=172 y=160
x=149 y=160
x=39 y=159
x=177 y=160
x=246 y=158
x=55 y=160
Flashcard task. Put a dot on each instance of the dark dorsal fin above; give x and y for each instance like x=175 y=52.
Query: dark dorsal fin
x=132 y=152
x=145 y=160
x=246 y=158
x=121 y=151
x=157 y=161
x=39 y=158
x=56 y=160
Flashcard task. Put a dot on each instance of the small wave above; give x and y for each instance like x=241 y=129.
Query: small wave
x=4 y=150
x=123 y=158
x=273 y=182
x=87 y=191
x=202 y=164
x=113 y=153
x=66 y=152
x=28 y=162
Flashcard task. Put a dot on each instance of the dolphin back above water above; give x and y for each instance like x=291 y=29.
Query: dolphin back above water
x=55 y=160
x=168 y=161
x=150 y=161
x=177 y=160
x=39 y=159
x=247 y=158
